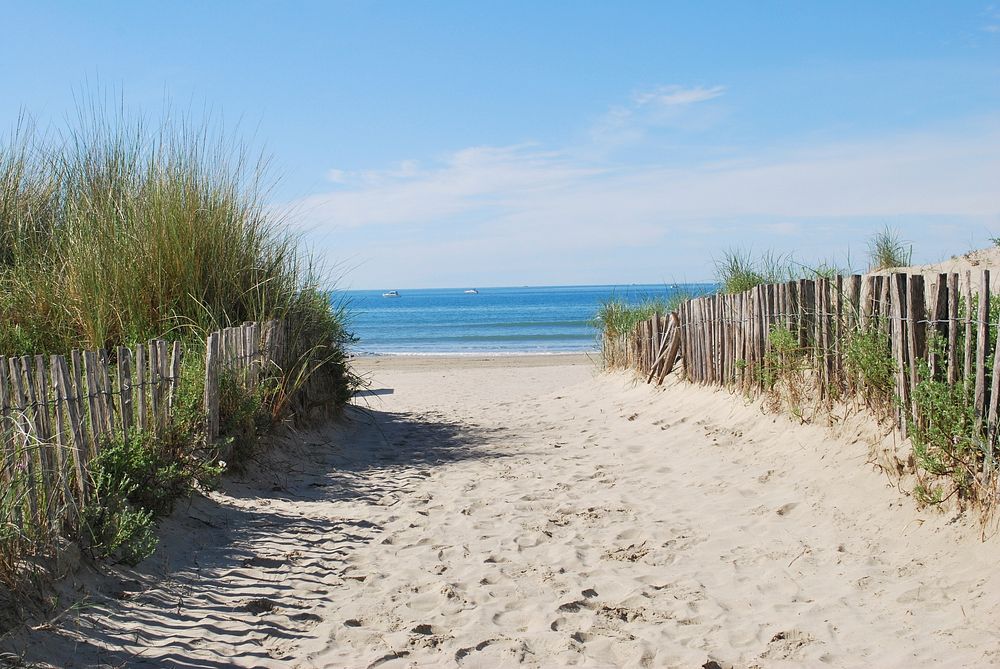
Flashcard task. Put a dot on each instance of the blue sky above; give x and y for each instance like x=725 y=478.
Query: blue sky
x=510 y=143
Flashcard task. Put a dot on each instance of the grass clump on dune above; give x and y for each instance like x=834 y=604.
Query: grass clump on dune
x=616 y=319
x=887 y=250
x=114 y=232
x=739 y=270
x=618 y=316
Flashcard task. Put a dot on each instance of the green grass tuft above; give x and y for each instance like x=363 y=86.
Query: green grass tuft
x=887 y=250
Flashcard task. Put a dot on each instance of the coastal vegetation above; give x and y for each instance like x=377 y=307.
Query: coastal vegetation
x=114 y=232
x=738 y=270
x=887 y=250
x=809 y=371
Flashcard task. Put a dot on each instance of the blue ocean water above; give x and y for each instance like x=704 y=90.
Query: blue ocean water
x=549 y=319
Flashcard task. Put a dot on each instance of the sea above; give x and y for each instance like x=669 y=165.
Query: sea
x=542 y=320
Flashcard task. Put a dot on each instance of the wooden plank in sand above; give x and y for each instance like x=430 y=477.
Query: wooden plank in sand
x=6 y=424
x=938 y=328
x=176 y=355
x=96 y=422
x=982 y=344
x=163 y=359
x=954 y=370
x=897 y=300
x=124 y=374
x=49 y=458
x=673 y=349
x=141 y=384
x=993 y=400
x=867 y=303
x=105 y=393
x=853 y=307
x=212 y=385
x=23 y=436
x=154 y=385
x=38 y=446
x=62 y=445
x=762 y=329
x=661 y=352
x=62 y=438
x=968 y=370
x=80 y=450
x=916 y=327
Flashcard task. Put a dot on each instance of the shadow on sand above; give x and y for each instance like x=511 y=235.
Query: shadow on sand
x=233 y=567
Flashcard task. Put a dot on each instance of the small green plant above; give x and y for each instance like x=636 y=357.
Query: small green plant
x=871 y=371
x=114 y=524
x=136 y=478
x=784 y=372
x=244 y=414
x=886 y=250
x=948 y=441
x=928 y=495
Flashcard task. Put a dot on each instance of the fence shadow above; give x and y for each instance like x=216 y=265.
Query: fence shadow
x=367 y=454
x=234 y=566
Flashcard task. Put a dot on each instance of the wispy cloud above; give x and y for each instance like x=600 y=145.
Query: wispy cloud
x=524 y=209
x=650 y=109
x=674 y=96
x=992 y=14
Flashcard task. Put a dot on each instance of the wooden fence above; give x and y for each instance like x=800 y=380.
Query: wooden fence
x=944 y=324
x=245 y=354
x=58 y=413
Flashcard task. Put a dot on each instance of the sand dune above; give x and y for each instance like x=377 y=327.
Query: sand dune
x=537 y=513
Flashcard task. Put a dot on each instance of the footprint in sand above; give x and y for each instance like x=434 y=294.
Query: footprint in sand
x=786 y=645
x=786 y=509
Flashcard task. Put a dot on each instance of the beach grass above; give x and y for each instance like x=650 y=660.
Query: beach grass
x=887 y=250
x=113 y=232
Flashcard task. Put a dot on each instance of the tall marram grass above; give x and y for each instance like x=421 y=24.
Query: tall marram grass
x=887 y=250
x=739 y=270
x=616 y=318
x=115 y=232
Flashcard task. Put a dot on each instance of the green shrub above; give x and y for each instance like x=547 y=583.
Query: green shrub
x=784 y=373
x=115 y=524
x=945 y=440
x=245 y=414
x=870 y=368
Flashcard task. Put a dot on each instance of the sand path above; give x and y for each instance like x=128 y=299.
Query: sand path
x=495 y=514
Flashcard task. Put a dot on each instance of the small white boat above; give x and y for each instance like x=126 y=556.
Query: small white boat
x=472 y=291
x=391 y=293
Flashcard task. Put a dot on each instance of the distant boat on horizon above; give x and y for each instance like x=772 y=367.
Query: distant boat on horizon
x=391 y=293
x=472 y=291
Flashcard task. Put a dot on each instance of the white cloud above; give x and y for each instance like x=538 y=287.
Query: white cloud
x=546 y=216
x=662 y=107
x=674 y=96
x=468 y=181
x=949 y=174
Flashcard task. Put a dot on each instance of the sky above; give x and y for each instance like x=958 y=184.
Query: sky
x=488 y=143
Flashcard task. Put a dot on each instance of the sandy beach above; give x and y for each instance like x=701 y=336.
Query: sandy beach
x=533 y=511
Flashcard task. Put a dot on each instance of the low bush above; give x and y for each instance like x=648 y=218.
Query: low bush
x=871 y=371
